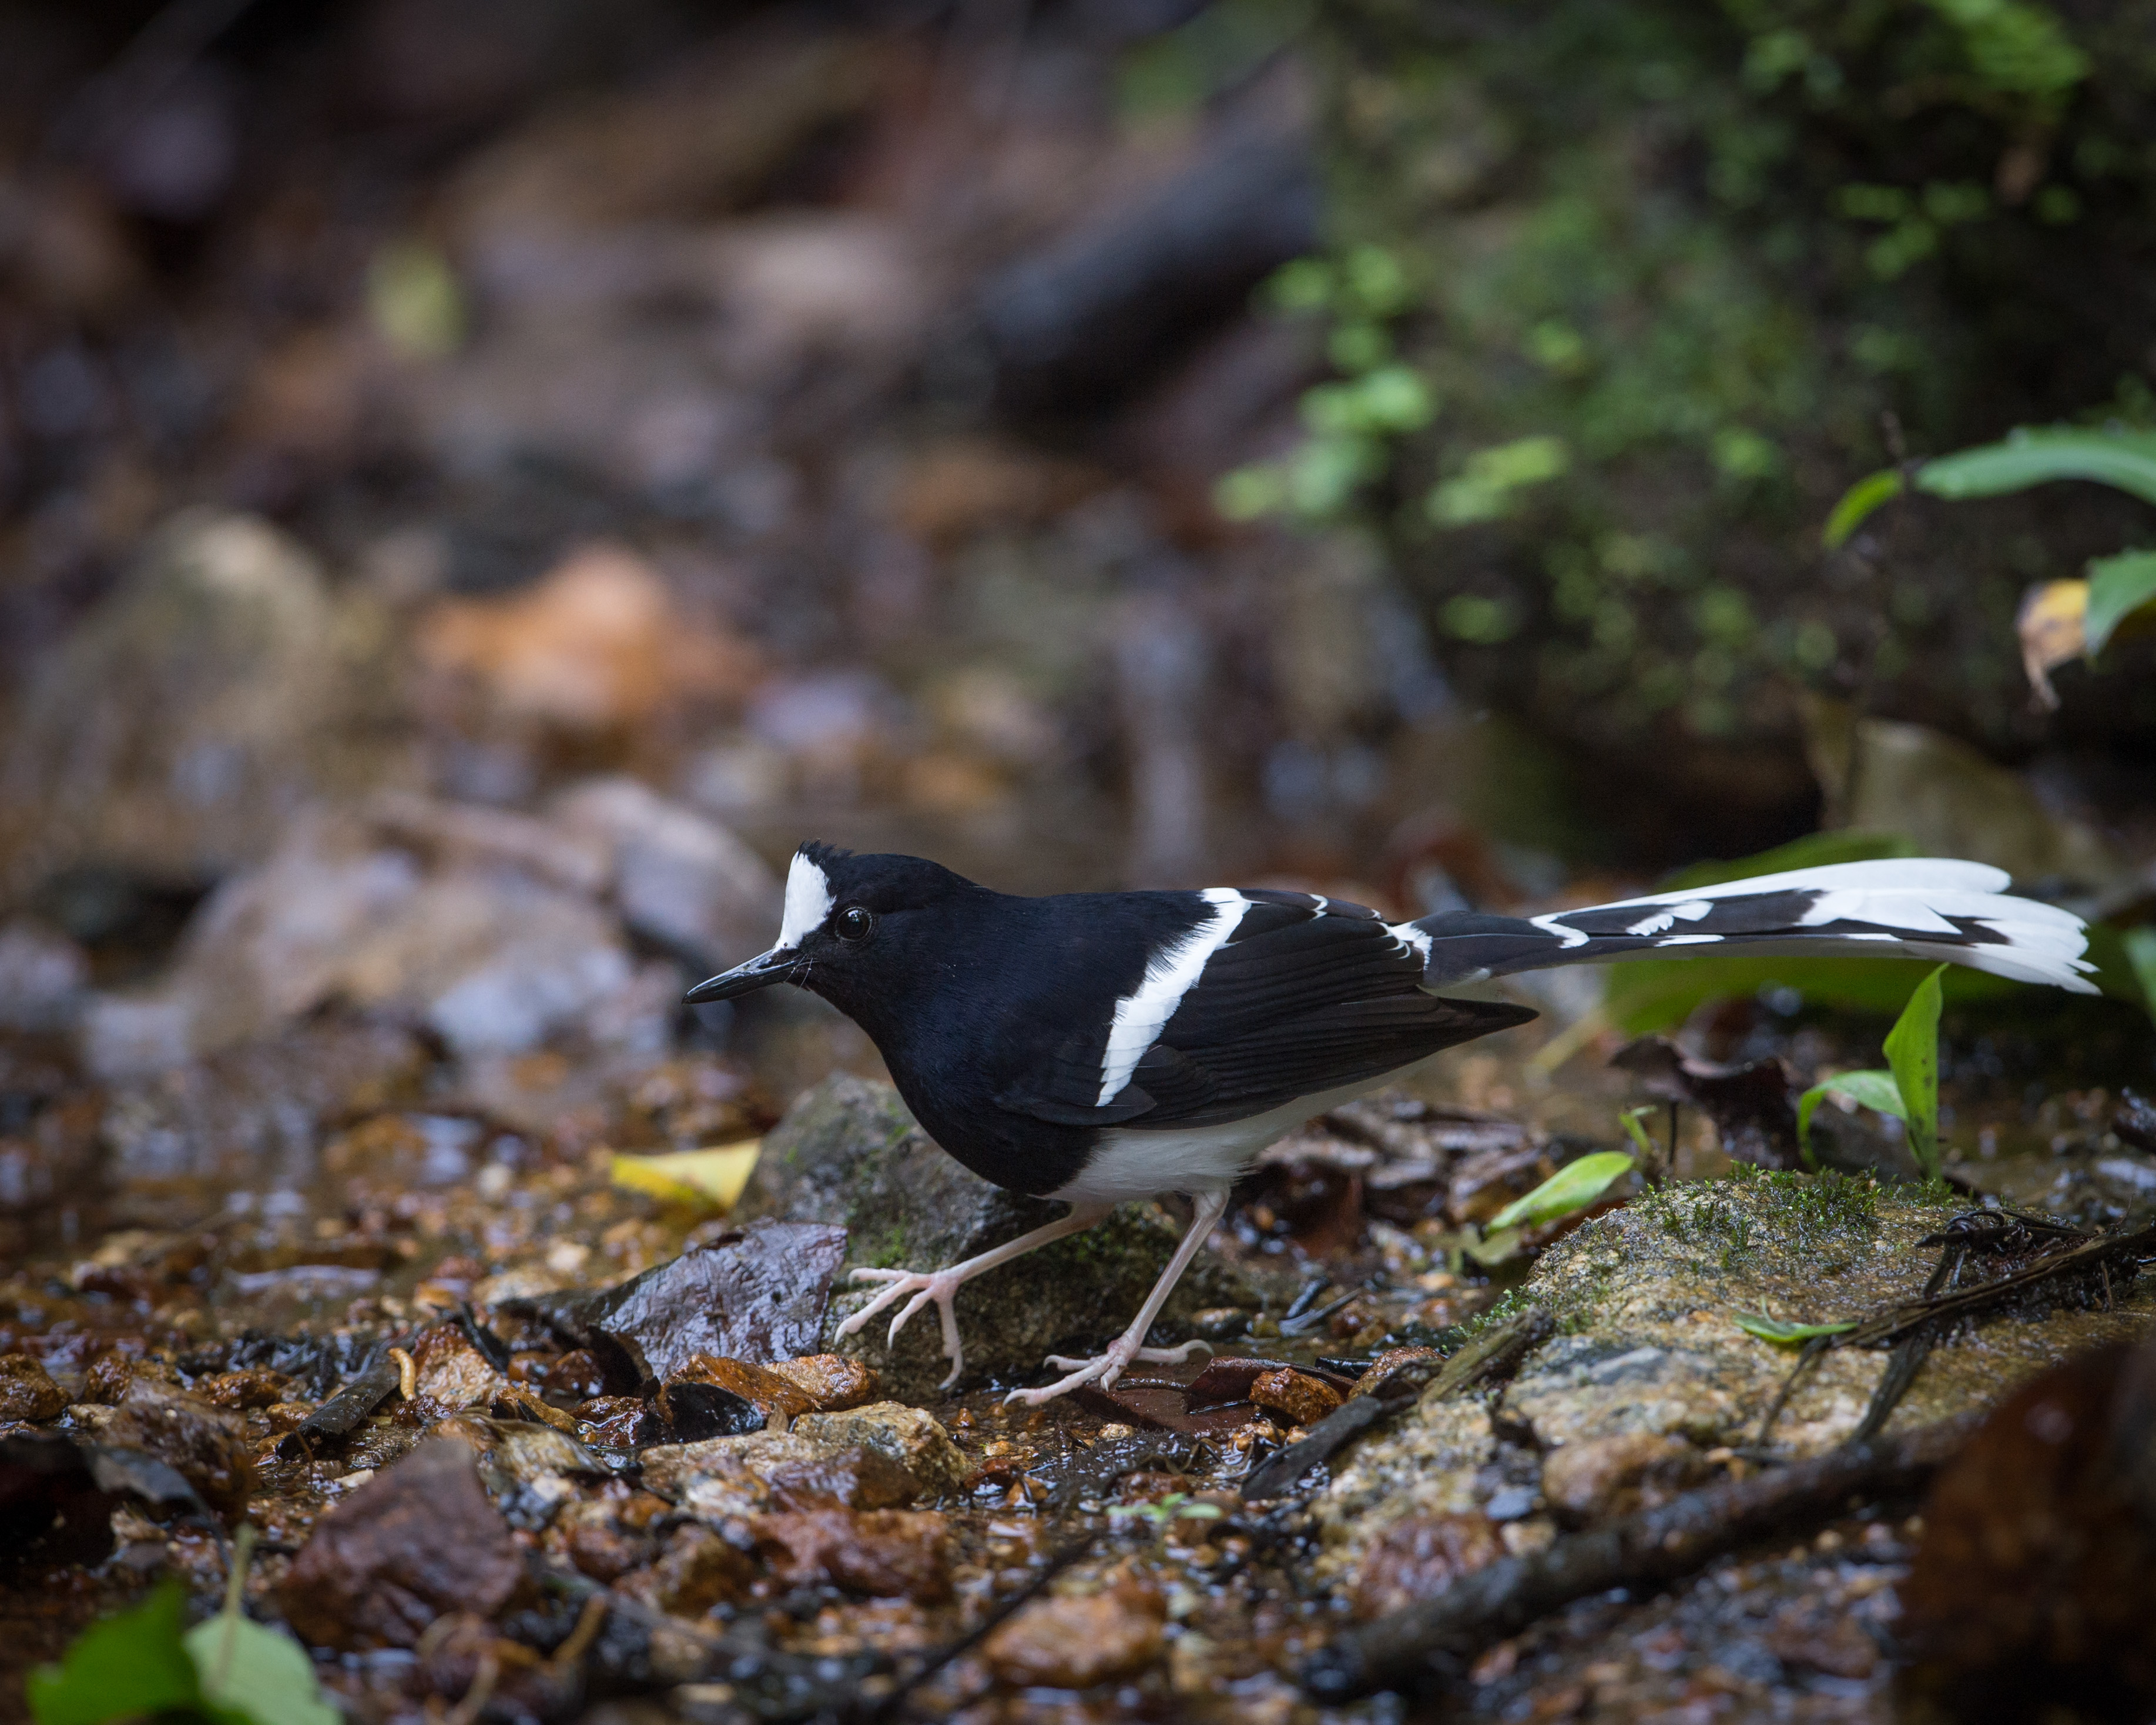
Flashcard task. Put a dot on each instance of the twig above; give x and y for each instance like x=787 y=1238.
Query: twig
x=1437 y=1638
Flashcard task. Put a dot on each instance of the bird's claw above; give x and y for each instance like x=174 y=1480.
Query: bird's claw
x=1103 y=1368
x=938 y=1285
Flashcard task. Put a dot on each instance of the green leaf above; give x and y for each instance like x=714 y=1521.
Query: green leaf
x=253 y=1676
x=1629 y=1120
x=1781 y=1334
x=2036 y=455
x=1869 y=1090
x=2140 y=947
x=2119 y=586
x=1912 y=1050
x=129 y=1665
x=1857 y=503
x=1569 y=1190
x=1493 y=1248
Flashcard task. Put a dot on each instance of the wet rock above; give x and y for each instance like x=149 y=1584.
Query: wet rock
x=777 y=1399
x=863 y=1465
x=859 y=1478
x=415 y=1541
x=679 y=879
x=1298 y=1397
x=205 y=1446
x=1419 y=1555
x=449 y=1373
x=626 y=1422
x=104 y=1383
x=833 y=1382
x=1074 y=1642
x=1599 y=1477
x=514 y=1401
x=260 y=1388
x=27 y=1390
x=848 y=1153
x=248 y=693
x=756 y=1293
x=885 y=1553
x=255 y=1115
x=696 y=1571
x=914 y=1440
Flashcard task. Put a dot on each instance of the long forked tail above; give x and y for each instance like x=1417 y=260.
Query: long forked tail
x=1922 y=907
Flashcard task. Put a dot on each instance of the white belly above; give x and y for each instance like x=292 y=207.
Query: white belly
x=1128 y=1164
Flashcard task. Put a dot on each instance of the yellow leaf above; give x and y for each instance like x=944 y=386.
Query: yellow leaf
x=2052 y=624
x=702 y=1179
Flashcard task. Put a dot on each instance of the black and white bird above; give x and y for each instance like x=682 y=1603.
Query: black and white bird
x=1100 y=1047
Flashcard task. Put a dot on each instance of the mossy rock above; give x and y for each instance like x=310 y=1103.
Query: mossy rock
x=850 y=1152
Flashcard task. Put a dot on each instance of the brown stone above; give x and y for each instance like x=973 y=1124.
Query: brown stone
x=206 y=1446
x=1076 y=1643
x=417 y=1540
x=883 y=1552
x=450 y=1373
x=696 y=1572
x=915 y=1441
x=105 y=1384
x=259 y=1388
x=1296 y=1397
x=604 y=1550
x=831 y=1381
x=514 y=1401
x=624 y=1422
x=859 y=1478
x=780 y=1398
x=1599 y=1477
x=27 y=1390
x=1420 y=1555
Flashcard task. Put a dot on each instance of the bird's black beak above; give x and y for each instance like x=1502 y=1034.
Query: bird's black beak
x=759 y=973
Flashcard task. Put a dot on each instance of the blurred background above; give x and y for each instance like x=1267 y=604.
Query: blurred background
x=480 y=480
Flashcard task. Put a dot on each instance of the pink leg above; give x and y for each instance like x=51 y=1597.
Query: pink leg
x=940 y=1285
x=1108 y=1366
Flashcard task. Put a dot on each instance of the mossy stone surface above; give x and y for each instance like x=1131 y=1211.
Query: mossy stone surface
x=850 y=1152
x=1646 y=1298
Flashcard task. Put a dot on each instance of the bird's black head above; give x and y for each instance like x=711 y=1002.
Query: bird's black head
x=849 y=921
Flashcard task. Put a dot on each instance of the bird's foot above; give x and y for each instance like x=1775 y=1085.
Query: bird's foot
x=1103 y=1368
x=940 y=1285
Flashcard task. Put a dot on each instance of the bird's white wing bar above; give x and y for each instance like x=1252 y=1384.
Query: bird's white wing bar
x=1142 y=1014
x=807 y=903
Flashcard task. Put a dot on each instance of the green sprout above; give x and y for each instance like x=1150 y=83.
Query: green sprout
x=1177 y=1506
x=1909 y=1092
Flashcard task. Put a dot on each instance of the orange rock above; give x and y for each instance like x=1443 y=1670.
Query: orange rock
x=831 y=1381
x=776 y=1394
x=449 y=1373
x=1076 y=1643
x=1296 y=1396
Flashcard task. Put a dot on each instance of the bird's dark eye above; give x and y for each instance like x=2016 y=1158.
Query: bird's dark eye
x=855 y=924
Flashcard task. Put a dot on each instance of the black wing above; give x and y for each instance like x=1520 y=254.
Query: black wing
x=1307 y=995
